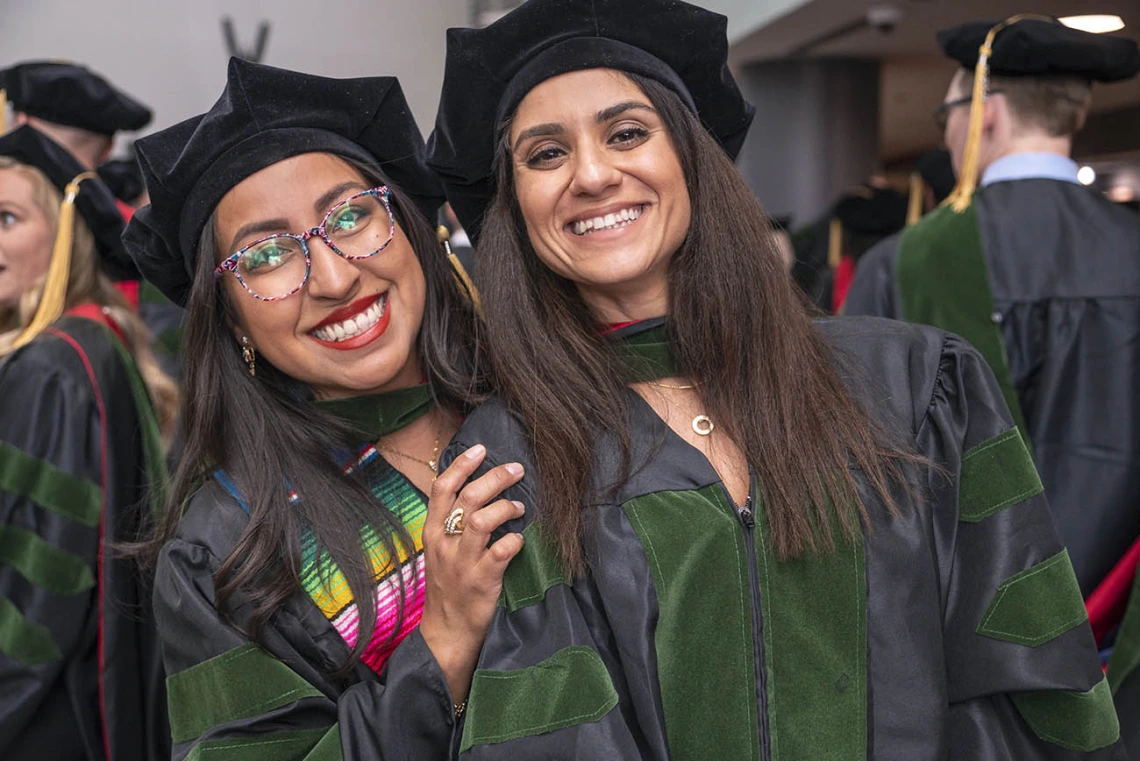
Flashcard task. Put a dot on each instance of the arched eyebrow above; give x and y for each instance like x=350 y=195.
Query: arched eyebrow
x=615 y=111
x=606 y=114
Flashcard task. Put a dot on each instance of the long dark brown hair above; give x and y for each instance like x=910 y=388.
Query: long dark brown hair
x=737 y=326
x=264 y=430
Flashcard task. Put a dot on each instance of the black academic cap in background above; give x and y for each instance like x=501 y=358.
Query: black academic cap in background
x=265 y=115
x=1033 y=47
x=95 y=204
x=72 y=95
x=871 y=210
x=123 y=177
x=937 y=170
x=489 y=71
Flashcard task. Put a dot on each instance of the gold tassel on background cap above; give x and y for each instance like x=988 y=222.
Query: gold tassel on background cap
x=3 y=111
x=959 y=200
x=916 y=202
x=834 y=243
x=53 y=299
x=461 y=276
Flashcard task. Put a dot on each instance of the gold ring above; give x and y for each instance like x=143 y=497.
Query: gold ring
x=453 y=524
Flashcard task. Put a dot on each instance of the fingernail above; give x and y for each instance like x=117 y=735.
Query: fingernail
x=475 y=452
x=519 y=506
x=515 y=469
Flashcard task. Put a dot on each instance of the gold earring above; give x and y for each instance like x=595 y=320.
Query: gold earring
x=249 y=354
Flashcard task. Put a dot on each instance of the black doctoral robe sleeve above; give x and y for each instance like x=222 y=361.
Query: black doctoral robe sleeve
x=274 y=699
x=50 y=507
x=1023 y=677
x=873 y=292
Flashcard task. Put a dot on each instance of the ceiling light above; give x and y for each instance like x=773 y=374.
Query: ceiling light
x=1097 y=24
x=1086 y=175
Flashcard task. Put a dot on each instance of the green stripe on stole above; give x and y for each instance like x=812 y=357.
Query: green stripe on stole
x=943 y=281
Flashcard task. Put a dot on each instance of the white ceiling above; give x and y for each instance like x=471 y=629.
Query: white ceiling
x=914 y=73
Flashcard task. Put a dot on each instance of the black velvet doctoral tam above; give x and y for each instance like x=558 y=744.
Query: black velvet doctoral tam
x=489 y=71
x=1035 y=48
x=72 y=95
x=95 y=204
x=265 y=115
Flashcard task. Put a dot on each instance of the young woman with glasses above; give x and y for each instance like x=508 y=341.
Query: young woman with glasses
x=305 y=605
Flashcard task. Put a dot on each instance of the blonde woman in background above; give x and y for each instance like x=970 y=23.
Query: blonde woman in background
x=84 y=413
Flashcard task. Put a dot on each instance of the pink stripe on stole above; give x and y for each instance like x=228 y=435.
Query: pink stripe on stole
x=387 y=602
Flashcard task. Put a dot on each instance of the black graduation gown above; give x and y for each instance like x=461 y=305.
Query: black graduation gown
x=277 y=700
x=1064 y=270
x=80 y=672
x=955 y=630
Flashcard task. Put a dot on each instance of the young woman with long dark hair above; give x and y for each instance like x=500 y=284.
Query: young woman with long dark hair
x=84 y=412
x=305 y=605
x=753 y=536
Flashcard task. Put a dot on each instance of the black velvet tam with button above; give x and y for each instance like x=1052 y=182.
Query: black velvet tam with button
x=72 y=95
x=95 y=204
x=266 y=115
x=1037 y=48
x=489 y=71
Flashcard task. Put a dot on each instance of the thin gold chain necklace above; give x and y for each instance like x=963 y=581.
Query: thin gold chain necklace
x=432 y=463
x=702 y=424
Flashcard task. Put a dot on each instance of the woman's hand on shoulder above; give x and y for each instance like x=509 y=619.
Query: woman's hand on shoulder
x=463 y=575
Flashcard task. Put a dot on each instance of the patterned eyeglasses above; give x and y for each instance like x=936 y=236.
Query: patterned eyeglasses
x=278 y=265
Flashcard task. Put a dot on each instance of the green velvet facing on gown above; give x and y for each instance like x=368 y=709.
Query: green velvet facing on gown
x=1037 y=605
x=157 y=476
x=378 y=415
x=533 y=571
x=708 y=683
x=239 y=684
x=943 y=281
x=815 y=649
x=570 y=687
x=26 y=642
x=49 y=487
x=43 y=564
x=1081 y=721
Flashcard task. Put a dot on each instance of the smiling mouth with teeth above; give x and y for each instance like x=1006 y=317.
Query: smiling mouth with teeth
x=353 y=326
x=608 y=222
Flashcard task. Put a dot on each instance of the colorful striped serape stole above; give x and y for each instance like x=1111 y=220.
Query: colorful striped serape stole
x=326 y=584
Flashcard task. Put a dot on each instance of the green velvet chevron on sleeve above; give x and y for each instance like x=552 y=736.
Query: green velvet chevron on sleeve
x=26 y=642
x=1081 y=721
x=49 y=486
x=1037 y=605
x=570 y=687
x=240 y=684
x=996 y=474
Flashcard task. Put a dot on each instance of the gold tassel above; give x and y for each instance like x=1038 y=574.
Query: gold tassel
x=53 y=299
x=917 y=199
x=461 y=276
x=3 y=111
x=835 y=244
x=961 y=197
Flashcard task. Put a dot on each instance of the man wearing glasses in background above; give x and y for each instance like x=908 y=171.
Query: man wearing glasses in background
x=1042 y=275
